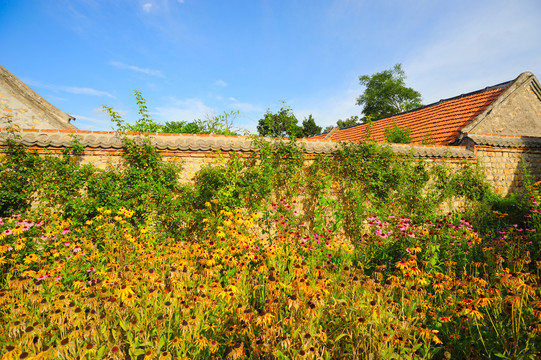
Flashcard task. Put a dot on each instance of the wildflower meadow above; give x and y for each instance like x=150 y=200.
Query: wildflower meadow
x=350 y=256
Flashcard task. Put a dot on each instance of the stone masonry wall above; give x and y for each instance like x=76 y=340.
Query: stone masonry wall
x=506 y=168
x=501 y=157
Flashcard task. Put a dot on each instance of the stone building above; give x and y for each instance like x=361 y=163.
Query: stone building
x=512 y=108
x=26 y=109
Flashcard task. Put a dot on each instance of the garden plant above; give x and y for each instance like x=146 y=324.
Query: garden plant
x=270 y=256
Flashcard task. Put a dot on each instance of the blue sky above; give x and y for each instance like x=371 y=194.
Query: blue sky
x=191 y=58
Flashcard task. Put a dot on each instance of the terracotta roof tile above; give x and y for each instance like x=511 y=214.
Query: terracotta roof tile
x=443 y=120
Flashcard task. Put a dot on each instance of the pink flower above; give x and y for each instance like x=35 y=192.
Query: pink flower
x=58 y=278
x=67 y=244
x=65 y=231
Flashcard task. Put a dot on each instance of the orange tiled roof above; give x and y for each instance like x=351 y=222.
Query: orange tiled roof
x=443 y=120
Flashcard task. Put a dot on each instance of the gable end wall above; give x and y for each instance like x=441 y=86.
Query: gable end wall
x=519 y=114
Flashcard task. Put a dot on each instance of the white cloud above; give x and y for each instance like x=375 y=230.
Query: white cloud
x=100 y=111
x=220 y=83
x=89 y=119
x=245 y=107
x=184 y=110
x=70 y=89
x=146 y=7
x=86 y=91
x=474 y=51
x=121 y=65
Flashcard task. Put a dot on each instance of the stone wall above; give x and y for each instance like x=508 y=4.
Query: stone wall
x=503 y=158
x=26 y=109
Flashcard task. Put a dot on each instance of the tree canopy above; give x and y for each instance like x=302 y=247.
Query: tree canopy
x=350 y=121
x=283 y=123
x=309 y=127
x=386 y=94
x=212 y=124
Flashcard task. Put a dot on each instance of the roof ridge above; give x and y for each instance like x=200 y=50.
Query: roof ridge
x=502 y=85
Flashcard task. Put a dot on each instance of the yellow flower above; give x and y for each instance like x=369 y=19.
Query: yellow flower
x=213 y=346
x=201 y=342
x=31 y=258
x=19 y=245
x=3 y=260
x=17 y=230
x=125 y=291
x=415 y=249
x=107 y=212
x=207 y=204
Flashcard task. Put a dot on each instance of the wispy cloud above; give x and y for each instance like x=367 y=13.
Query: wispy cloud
x=87 y=91
x=245 y=107
x=121 y=65
x=146 y=7
x=92 y=120
x=220 y=83
x=469 y=52
x=184 y=110
x=71 y=89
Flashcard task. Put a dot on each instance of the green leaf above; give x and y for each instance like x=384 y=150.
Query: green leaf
x=100 y=353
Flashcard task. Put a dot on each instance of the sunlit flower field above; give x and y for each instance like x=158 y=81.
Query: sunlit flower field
x=266 y=286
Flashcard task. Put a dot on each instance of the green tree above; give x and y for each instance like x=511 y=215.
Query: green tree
x=281 y=124
x=350 y=121
x=212 y=124
x=309 y=127
x=386 y=94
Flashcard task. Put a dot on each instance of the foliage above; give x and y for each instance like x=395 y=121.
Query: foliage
x=309 y=127
x=217 y=125
x=386 y=94
x=281 y=124
x=428 y=139
x=268 y=286
x=275 y=254
x=350 y=121
x=17 y=171
x=145 y=124
x=397 y=135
